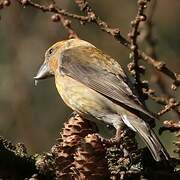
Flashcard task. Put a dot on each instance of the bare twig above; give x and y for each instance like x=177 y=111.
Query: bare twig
x=66 y=23
x=52 y=9
x=151 y=50
x=161 y=66
x=92 y=17
x=158 y=99
x=151 y=41
x=171 y=105
x=115 y=32
x=134 y=55
x=171 y=125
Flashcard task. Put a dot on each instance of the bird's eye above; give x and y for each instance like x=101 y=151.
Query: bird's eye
x=51 y=51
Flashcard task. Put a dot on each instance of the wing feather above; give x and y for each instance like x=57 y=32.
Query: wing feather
x=79 y=64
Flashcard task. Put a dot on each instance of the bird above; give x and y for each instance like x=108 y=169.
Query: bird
x=94 y=85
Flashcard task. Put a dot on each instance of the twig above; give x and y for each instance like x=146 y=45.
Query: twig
x=134 y=55
x=66 y=23
x=171 y=105
x=92 y=17
x=171 y=125
x=52 y=9
x=158 y=99
x=151 y=41
x=161 y=66
x=162 y=100
x=151 y=50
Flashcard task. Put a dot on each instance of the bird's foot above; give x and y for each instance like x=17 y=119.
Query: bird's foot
x=118 y=136
x=106 y=142
x=116 y=140
x=112 y=141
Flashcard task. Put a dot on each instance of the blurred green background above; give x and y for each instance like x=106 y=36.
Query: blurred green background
x=34 y=115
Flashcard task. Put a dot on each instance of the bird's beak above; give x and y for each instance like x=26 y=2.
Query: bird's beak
x=43 y=73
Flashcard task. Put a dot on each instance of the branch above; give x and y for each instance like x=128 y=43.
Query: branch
x=66 y=23
x=134 y=55
x=172 y=126
x=151 y=50
x=92 y=17
x=161 y=66
x=171 y=105
x=53 y=9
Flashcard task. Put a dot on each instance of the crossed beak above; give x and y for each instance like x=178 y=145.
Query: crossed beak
x=43 y=72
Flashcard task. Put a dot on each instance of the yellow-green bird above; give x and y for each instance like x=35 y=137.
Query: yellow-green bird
x=94 y=85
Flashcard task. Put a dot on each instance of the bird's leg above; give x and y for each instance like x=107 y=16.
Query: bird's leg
x=120 y=132
x=106 y=142
x=73 y=114
x=113 y=141
x=125 y=140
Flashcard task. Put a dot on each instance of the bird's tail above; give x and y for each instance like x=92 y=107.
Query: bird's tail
x=148 y=135
x=156 y=148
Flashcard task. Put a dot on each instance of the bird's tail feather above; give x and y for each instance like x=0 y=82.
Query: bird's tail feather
x=151 y=140
x=156 y=148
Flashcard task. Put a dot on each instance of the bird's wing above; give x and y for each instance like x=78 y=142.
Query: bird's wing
x=79 y=64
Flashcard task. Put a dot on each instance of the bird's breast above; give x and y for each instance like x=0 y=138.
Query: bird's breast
x=81 y=98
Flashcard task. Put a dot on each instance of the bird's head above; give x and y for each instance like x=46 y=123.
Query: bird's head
x=52 y=55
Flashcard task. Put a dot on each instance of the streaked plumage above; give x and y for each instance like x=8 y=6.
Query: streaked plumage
x=94 y=85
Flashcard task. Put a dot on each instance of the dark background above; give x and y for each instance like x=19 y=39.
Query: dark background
x=34 y=115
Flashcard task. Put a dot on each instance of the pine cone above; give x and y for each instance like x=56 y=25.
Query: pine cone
x=89 y=160
x=73 y=132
